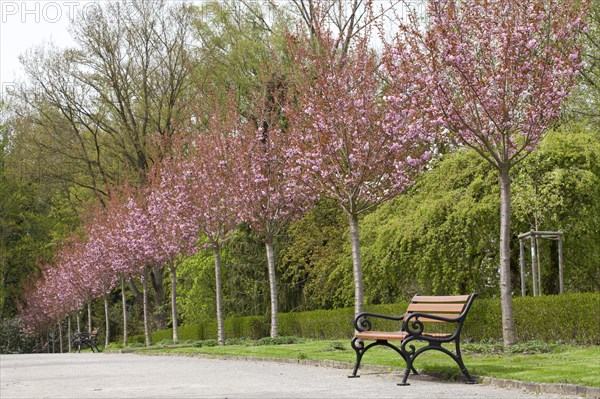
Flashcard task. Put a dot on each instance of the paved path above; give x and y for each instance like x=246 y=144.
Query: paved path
x=88 y=375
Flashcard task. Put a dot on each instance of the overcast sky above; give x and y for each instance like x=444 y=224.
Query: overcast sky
x=28 y=23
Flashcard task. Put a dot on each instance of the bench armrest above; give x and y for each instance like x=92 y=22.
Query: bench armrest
x=361 y=323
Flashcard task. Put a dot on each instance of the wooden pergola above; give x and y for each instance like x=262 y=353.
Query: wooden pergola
x=535 y=266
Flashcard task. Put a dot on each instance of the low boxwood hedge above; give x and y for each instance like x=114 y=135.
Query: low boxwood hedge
x=569 y=318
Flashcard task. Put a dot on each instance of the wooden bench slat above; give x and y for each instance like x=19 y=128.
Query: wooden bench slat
x=428 y=320
x=440 y=299
x=435 y=307
x=448 y=307
x=375 y=335
x=393 y=335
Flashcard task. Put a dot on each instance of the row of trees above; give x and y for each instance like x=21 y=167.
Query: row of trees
x=226 y=167
x=331 y=118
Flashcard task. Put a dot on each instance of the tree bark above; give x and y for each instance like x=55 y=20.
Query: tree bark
x=508 y=322
x=273 y=287
x=220 y=323
x=356 y=266
x=124 y=303
x=106 y=322
x=89 y=310
x=173 y=271
x=78 y=323
x=145 y=302
x=69 y=334
x=60 y=336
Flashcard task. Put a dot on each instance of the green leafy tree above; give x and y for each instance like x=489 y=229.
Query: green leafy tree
x=439 y=238
x=316 y=270
x=558 y=188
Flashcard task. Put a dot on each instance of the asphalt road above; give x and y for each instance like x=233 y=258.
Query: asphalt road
x=90 y=375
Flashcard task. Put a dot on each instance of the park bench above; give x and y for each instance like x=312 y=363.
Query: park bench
x=448 y=312
x=86 y=340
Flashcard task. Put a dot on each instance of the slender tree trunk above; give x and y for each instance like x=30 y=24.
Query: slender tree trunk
x=69 y=334
x=160 y=317
x=107 y=322
x=60 y=336
x=273 y=287
x=78 y=322
x=89 y=309
x=124 y=303
x=219 y=294
x=508 y=321
x=145 y=302
x=52 y=337
x=173 y=270
x=356 y=266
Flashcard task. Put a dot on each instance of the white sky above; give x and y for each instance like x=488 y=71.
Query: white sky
x=28 y=23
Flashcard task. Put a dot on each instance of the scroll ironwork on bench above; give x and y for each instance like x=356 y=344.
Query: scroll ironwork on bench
x=422 y=311
x=86 y=340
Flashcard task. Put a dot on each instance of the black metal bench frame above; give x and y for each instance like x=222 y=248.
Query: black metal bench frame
x=412 y=330
x=86 y=340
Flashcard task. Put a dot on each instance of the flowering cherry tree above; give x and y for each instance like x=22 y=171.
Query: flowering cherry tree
x=269 y=196
x=350 y=142
x=176 y=233
x=105 y=276
x=203 y=189
x=492 y=75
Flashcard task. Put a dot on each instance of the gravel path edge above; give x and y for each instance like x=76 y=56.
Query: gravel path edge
x=532 y=387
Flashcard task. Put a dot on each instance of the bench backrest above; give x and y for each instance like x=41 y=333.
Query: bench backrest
x=444 y=306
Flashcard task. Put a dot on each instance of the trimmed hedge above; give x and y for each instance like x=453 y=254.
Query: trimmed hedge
x=571 y=318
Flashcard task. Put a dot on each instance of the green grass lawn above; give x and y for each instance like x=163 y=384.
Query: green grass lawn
x=532 y=362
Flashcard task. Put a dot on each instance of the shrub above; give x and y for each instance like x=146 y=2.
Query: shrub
x=570 y=318
x=335 y=346
x=13 y=339
x=279 y=341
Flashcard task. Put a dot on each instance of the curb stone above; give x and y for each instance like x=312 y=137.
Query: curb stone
x=530 y=387
x=534 y=387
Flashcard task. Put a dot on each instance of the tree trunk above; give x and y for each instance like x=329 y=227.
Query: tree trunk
x=173 y=271
x=145 y=302
x=160 y=317
x=273 y=287
x=124 y=303
x=60 y=336
x=356 y=266
x=69 y=334
x=508 y=321
x=220 y=324
x=78 y=323
x=89 y=309
x=106 y=322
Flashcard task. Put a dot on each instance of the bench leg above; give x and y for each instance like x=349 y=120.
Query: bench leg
x=461 y=365
x=359 y=348
x=405 y=377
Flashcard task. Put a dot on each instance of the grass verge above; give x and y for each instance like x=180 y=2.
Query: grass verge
x=530 y=362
